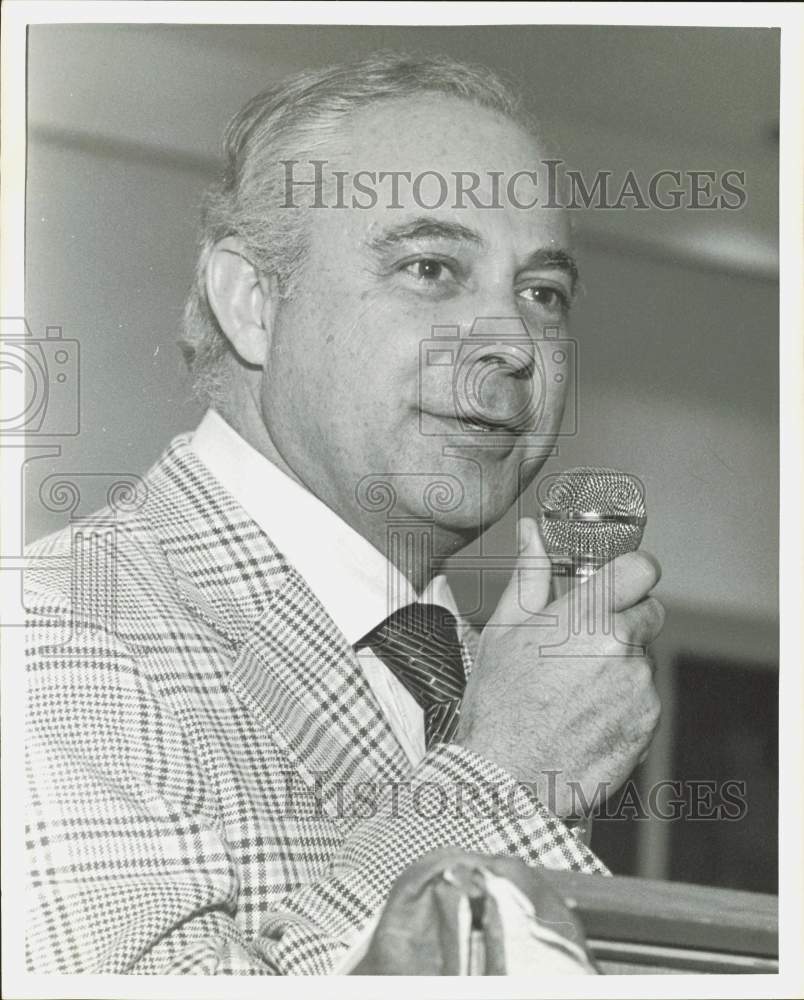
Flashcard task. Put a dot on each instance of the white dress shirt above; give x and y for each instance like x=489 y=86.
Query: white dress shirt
x=349 y=576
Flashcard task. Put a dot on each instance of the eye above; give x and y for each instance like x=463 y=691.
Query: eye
x=551 y=299
x=426 y=269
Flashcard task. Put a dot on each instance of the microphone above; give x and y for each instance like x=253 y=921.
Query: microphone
x=589 y=516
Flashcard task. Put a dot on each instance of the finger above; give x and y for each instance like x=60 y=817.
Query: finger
x=528 y=590
x=623 y=582
x=419 y=874
x=642 y=623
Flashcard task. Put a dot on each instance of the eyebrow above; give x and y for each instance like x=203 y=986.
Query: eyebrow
x=424 y=229
x=553 y=258
x=546 y=258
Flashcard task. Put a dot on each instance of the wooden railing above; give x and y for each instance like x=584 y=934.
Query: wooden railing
x=636 y=925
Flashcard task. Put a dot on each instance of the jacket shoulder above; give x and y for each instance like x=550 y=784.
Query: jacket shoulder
x=116 y=546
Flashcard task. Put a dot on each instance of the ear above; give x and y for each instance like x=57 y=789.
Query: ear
x=244 y=301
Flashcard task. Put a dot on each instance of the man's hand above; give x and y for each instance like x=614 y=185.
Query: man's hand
x=418 y=930
x=568 y=690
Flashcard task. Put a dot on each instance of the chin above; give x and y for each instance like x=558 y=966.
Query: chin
x=473 y=517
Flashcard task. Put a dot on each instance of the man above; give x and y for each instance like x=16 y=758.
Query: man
x=230 y=776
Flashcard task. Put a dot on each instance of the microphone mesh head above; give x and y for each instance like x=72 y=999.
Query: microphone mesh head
x=591 y=492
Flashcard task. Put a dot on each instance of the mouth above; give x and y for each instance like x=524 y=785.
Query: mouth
x=486 y=427
x=463 y=425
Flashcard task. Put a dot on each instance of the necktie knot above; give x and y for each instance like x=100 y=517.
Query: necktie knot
x=419 y=644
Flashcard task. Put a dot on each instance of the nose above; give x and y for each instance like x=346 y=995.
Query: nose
x=495 y=378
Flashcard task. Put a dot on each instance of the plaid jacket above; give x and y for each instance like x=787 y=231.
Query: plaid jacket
x=212 y=786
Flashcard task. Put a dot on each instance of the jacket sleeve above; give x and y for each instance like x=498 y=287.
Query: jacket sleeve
x=130 y=870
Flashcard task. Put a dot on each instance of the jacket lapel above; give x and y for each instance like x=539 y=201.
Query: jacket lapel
x=301 y=676
x=292 y=668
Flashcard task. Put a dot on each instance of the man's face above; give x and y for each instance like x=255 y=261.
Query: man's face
x=351 y=389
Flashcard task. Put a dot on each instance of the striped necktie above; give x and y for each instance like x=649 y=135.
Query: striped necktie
x=419 y=644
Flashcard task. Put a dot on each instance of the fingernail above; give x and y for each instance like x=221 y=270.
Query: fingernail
x=524 y=535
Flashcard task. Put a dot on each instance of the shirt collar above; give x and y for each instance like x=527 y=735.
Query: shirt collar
x=356 y=585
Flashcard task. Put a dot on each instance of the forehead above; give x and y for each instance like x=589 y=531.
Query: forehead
x=436 y=131
x=443 y=143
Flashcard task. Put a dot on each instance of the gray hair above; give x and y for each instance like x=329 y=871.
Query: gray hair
x=293 y=120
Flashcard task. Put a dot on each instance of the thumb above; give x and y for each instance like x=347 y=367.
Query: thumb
x=528 y=590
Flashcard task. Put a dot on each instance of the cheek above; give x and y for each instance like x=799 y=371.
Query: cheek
x=342 y=372
x=307 y=351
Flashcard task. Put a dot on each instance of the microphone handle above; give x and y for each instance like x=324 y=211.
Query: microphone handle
x=567 y=573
